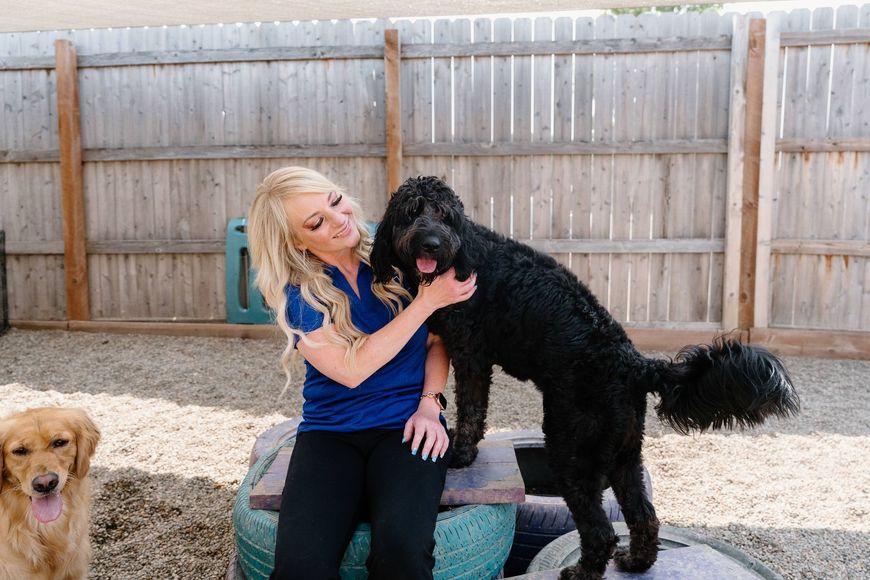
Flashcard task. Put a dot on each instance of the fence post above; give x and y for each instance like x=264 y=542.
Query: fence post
x=393 y=108
x=767 y=170
x=75 y=258
x=736 y=153
x=752 y=145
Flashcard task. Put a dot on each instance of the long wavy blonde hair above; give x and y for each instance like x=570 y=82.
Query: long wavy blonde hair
x=279 y=261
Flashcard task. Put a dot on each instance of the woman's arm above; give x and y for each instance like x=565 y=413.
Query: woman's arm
x=426 y=422
x=383 y=345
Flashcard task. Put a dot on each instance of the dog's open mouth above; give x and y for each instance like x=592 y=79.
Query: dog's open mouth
x=46 y=508
x=426 y=265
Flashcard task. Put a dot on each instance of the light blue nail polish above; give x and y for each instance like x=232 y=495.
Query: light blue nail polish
x=403 y=440
x=434 y=458
x=425 y=456
x=413 y=452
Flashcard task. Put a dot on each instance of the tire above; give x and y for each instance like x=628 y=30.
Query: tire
x=565 y=551
x=471 y=541
x=545 y=516
x=272 y=438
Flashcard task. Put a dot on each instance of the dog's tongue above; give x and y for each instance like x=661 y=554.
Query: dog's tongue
x=426 y=265
x=46 y=508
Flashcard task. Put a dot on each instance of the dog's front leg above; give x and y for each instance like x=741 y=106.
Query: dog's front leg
x=472 y=399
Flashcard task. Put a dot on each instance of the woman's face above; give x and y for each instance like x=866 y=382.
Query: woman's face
x=323 y=222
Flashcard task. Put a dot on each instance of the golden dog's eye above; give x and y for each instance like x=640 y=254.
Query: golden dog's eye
x=59 y=443
x=19 y=451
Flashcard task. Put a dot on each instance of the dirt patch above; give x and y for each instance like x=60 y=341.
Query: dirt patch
x=179 y=417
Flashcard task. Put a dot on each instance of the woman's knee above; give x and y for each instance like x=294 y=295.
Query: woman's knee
x=304 y=567
x=401 y=553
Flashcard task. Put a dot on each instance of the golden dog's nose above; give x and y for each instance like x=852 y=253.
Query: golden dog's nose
x=45 y=483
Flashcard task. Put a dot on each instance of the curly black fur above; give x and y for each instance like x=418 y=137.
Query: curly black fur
x=538 y=322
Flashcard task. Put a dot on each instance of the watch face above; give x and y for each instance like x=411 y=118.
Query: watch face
x=442 y=400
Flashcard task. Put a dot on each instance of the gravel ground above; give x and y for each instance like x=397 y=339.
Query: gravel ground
x=179 y=416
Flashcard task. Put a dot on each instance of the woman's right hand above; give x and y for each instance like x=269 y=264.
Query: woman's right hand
x=446 y=290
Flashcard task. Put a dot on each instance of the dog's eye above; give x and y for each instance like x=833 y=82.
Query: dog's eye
x=19 y=451
x=59 y=443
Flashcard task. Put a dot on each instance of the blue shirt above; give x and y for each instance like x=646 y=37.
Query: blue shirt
x=388 y=397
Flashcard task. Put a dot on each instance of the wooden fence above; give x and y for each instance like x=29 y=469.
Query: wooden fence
x=698 y=171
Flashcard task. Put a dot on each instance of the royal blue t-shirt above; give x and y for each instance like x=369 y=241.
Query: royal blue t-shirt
x=388 y=397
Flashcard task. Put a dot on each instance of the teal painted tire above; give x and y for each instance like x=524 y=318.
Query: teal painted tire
x=471 y=541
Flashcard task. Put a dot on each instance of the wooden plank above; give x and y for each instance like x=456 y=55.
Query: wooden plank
x=578 y=147
x=393 y=104
x=672 y=339
x=589 y=46
x=297 y=150
x=833 y=145
x=216 y=329
x=72 y=191
x=229 y=55
x=755 y=70
x=736 y=160
x=503 y=185
x=815 y=343
x=826 y=37
x=821 y=247
x=494 y=477
x=562 y=184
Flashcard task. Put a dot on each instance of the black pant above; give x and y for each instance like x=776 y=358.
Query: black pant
x=335 y=481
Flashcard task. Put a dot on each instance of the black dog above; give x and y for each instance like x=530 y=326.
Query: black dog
x=534 y=318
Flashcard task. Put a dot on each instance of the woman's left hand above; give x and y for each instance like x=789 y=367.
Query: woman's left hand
x=425 y=423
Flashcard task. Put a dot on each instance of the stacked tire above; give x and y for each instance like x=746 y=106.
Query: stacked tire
x=544 y=516
x=471 y=541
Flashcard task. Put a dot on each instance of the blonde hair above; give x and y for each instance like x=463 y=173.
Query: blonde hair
x=279 y=261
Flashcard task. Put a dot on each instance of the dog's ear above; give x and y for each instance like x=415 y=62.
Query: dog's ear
x=468 y=256
x=2 y=455
x=87 y=437
x=382 y=256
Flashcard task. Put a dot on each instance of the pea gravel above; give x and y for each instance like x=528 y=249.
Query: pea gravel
x=179 y=416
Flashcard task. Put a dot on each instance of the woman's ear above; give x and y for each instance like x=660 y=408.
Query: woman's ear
x=87 y=437
x=382 y=256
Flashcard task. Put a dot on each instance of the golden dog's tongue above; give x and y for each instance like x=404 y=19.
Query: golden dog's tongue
x=426 y=265
x=46 y=508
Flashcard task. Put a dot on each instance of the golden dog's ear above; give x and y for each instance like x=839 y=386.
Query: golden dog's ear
x=2 y=467
x=87 y=437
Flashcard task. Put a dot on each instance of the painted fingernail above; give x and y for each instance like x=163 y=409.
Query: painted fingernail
x=425 y=456
x=434 y=458
x=413 y=452
x=403 y=439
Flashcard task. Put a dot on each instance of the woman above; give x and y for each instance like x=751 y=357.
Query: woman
x=372 y=442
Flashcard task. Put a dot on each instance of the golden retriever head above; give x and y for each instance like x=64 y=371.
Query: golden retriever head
x=41 y=450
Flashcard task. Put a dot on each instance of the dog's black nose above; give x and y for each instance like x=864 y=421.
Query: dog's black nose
x=431 y=243
x=45 y=483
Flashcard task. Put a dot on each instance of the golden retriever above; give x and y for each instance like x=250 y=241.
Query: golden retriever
x=45 y=496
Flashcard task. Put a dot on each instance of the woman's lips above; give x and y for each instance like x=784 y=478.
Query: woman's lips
x=344 y=231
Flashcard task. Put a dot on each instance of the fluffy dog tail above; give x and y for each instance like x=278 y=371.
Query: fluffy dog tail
x=725 y=384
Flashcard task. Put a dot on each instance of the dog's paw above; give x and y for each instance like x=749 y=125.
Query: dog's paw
x=629 y=563
x=576 y=572
x=463 y=456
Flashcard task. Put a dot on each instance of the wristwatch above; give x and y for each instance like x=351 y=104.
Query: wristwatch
x=439 y=398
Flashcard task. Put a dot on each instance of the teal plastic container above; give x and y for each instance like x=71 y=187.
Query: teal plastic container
x=245 y=304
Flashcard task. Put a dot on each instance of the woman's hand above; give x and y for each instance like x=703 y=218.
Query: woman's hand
x=426 y=423
x=446 y=290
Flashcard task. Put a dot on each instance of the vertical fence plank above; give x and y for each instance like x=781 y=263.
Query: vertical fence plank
x=767 y=166
x=393 y=99
x=72 y=190
x=736 y=160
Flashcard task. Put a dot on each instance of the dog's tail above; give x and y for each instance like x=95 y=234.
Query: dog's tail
x=725 y=384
